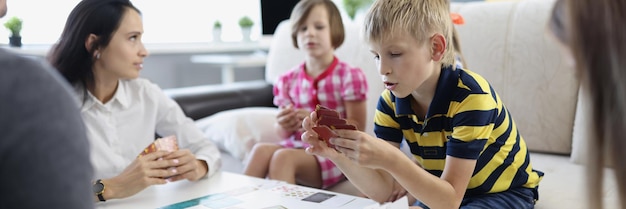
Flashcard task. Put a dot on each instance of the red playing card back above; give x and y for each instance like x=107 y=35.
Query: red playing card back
x=343 y=126
x=321 y=107
x=323 y=112
x=328 y=121
x=325 y=134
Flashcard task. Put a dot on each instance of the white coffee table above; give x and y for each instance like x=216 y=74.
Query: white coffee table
x=241 y=192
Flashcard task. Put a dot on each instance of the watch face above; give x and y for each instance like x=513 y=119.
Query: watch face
x=98 y=187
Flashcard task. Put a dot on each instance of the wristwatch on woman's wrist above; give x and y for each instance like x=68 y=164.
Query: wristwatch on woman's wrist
x=98 y=189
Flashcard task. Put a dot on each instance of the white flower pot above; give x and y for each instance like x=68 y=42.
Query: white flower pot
x=217 y=35
x=245 y=33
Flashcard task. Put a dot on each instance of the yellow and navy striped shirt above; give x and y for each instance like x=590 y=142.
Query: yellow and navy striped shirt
x=466 y=119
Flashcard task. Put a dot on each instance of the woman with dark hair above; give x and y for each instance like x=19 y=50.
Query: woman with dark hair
x=592 y=35
x=100 y=53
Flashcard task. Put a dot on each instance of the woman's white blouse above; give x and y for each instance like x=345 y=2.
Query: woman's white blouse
x=120 y=129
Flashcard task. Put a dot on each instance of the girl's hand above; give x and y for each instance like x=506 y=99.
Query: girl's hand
x=317 y=145
x=144 y=171
x=288 y=120
x=301 y=114
x=188 y=166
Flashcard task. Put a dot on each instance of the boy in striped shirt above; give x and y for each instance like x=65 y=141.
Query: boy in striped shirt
x=468 y=148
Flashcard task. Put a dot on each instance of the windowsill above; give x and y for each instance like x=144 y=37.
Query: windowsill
x=168 y=48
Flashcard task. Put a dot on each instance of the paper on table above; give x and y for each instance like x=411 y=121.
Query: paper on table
x=270 y=183
x=402 y=203
x=337 y=201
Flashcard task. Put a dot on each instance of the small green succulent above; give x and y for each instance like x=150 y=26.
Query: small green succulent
x=352 y=6
x=217 y=24
x=14 y=24
x=245 y=22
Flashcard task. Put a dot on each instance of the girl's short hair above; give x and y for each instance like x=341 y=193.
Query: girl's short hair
x=99 y=17
x=301 y=11
x=419 y=18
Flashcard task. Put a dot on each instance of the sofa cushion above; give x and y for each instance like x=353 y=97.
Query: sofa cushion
x=236 y=131
x=583 y=134
x=356 y=51
x=564 y=186
x=282 y=55
x=581 y=128
x=524 y=65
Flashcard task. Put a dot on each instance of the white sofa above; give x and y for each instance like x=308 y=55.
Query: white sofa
x=506 y=42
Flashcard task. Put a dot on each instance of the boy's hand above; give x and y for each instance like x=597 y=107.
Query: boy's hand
x=365 y=150
x=318 y=146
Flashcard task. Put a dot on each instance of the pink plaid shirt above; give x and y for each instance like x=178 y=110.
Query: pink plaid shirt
x=338 y=84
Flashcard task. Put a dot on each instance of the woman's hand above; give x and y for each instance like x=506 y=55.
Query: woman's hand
x=188 y=166
x=144 y=171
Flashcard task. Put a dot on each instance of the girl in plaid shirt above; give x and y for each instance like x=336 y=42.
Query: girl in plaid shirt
x=317 y=29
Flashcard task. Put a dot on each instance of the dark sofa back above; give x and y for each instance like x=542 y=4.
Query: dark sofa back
x=200 y=101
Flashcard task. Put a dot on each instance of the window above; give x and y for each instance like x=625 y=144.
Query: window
x=192 y=20
x=165 y=21
x=43 y=23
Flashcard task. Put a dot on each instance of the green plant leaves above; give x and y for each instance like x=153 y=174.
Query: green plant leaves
x=14 y=24
x=352 y=6
x=245 y=22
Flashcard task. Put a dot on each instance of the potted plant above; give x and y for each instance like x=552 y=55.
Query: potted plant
x=217 y=31
x=14 y=24
x=245 y=23
x=352 y=6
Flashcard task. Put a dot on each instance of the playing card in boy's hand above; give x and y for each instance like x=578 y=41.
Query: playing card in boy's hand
x=324 y=111
x=327 y=121
x=330 y=121
x=168 y=143
x=343 y=126
x=325 y=134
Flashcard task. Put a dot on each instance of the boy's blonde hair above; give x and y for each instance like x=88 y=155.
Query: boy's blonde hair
x=301 y=11
x=419 y=18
